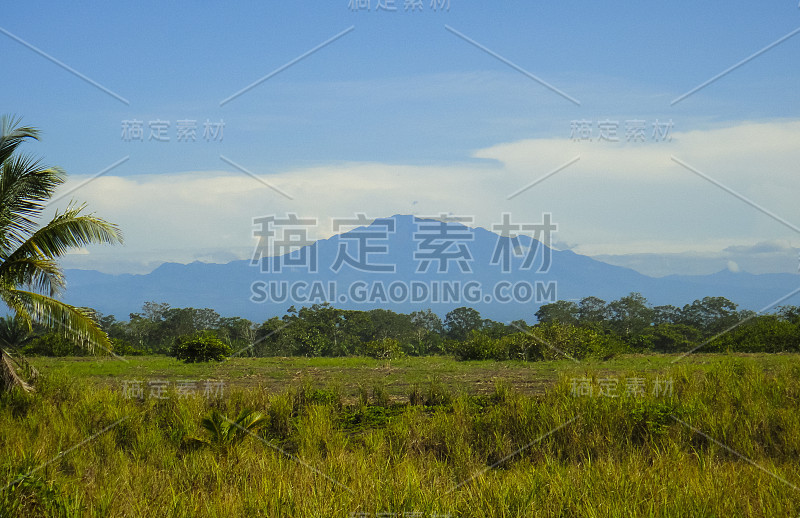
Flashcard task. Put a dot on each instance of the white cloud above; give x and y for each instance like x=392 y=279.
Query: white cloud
x=765 y=257
x=618 y=198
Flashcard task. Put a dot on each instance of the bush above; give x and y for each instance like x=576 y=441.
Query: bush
x=52 y=344
x=672 y=338
x=522 y=346
x=383 y=349
x=200 y=347
x=479 y=346
x=125 y=348
x=556 y=341
x=765 y=333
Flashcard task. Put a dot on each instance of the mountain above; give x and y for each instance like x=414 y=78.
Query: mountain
x=417 y=249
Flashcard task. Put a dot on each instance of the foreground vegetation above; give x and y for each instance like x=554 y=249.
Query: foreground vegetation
x=722 y=441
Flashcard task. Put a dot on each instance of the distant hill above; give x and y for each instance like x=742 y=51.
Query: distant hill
x=238 y=288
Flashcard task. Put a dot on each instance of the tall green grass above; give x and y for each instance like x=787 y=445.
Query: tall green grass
x=501 y=454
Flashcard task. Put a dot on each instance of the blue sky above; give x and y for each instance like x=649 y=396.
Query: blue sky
x=430 y=122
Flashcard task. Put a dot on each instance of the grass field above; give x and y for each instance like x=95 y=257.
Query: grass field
x=709 y=435
x=349 y=374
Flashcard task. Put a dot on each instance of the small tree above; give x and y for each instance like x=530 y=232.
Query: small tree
x=383 y=349
x=461 y=321
x=200 y=347
x=564 y=311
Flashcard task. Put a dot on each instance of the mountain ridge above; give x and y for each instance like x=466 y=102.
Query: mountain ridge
x=233 y=289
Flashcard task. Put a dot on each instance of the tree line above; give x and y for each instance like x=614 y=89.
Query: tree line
x=589 y=327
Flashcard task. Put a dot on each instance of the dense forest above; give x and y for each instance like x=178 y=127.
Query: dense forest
x=564 y=329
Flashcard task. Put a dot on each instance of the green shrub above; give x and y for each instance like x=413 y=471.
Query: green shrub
x=522 y=346
x=200 y=347
x=672 y=338
x=548 y=341
x=479 y=346
x=52 y=344
x=125 y=348
x=556 y=341
x=222 y=432
x=766 y=333
x=383 y=349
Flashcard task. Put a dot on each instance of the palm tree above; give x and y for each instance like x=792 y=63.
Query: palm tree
x=30 y=277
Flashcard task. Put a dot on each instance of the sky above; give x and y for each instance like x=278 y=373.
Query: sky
x=660 y=136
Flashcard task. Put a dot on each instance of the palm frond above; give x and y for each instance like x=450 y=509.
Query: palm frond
x=75 y=323
x=12 y=135
x=249 y=421
x=67 y=231
x=25 y=187
x=14 y=332
x=217 y=427
x=9 y=379
x=39 y=274
x=223 y=433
